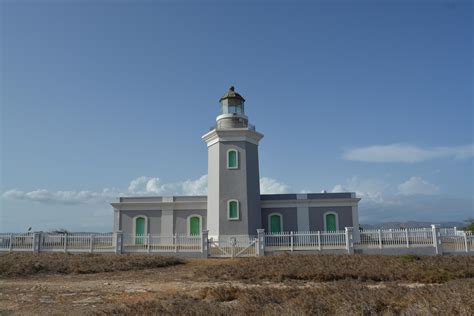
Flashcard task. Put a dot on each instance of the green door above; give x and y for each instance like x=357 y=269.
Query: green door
x=195 y=223
x=275 y=224
x=140 y=231
x=331 y=222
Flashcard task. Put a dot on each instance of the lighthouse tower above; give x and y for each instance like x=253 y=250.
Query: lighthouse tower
x=233 y=200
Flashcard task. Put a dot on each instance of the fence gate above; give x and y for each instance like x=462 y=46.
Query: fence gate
x=232 y=246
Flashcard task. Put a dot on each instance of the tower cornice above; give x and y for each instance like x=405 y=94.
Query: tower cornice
x=234 y=134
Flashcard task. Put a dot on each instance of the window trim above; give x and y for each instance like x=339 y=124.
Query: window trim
x=325 y=223
x=236 y=158
x=228 y=211
x=188 y=221
x=270 y=221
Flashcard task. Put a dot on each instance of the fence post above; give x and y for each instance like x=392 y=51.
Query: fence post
x=91 y=249
x=260 y=242
x=436 y=239
x=118 y=238
x=205 y=243
x=455 y=229
x=148 y=242
x=175 y=242
x=10 y=246
x=291 y=241
x=380 y=238
x=36 y=241
x=65 y=242
x=465 y=242
x=408 y=238
x=349 y=244
x=319 y=240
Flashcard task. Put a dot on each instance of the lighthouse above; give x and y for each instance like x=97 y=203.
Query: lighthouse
x=233 y=200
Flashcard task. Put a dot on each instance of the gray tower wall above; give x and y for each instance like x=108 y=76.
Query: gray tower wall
x=213 y=190
x=241 y=184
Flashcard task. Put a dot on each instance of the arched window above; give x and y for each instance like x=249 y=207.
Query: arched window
x=194 y=225
x=232 y=159
x=275 y=223
x=233 y=210
x=140 y=229
x=331 y=222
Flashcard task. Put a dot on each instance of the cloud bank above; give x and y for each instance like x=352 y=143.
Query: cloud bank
x=141 y=186
x=272 y=186
x=407 y=153
x=413 y=199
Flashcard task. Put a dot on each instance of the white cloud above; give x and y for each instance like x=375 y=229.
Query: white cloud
x=141 y=186
x=272 y=186
x=154 y=186
x=61 y=197
x=368 y=189
x=195 y=187
x=407 y=153
x=413 y=199
x=416 y=185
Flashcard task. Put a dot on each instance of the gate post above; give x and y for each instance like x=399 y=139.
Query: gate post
x=118 y=238
x=205 y=243
x=349 y=243
x=260 y=243
x=436 y=239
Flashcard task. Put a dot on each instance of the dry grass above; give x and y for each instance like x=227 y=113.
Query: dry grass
x=426 y=269
x=20 y=264
x=340 y=298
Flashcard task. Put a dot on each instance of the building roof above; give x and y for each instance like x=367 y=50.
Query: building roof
x=231 y=94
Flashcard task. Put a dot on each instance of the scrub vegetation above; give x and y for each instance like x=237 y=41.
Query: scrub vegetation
x=338 y=298
x=288 y=284
x=21 y=264
x=322 y=268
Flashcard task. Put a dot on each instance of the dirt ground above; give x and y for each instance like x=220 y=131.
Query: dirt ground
x=79 y=294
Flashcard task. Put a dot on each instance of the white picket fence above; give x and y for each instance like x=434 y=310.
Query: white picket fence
x=311 y=240
x=77 y=242
x=461 y=242
x=396 y=238
x=165 y=244
x=449 y=241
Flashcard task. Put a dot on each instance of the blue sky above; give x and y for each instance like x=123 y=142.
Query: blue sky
x=111 y=97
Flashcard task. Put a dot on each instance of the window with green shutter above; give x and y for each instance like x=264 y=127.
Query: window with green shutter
x=331 y=222
x=275 y=223
x=194 y=225
x=233 y=209
x=232 y=159
x=140 y=230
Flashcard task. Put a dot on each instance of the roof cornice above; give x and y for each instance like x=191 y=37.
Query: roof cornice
x=232 y=134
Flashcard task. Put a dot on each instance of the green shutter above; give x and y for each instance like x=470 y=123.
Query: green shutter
x=140 y=231
x=331 y=222
x=195 y=225
x=232 y=159
x=275 y=224
x=233 y=212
